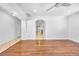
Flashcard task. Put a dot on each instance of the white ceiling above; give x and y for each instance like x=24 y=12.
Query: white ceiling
x=24 y=10
x=36 y=9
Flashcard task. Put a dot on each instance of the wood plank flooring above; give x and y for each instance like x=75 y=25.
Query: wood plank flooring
x=47 y=48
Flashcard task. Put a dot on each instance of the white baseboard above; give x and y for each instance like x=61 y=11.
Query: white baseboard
x=8 y=44
x=46 y=38
x=74 y=40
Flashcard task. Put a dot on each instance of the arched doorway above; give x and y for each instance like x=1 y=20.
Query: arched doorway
x=40 y=29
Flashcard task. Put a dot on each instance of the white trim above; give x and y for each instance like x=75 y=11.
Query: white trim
x=46 y=38
x=8 y=44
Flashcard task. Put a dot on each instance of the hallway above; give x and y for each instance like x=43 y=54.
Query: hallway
x=47 y=48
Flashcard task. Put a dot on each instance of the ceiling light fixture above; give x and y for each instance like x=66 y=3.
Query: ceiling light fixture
x=35 y=10
x=14 y=14
x=58 y=5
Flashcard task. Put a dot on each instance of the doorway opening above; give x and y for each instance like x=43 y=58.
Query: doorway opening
x=40 y=29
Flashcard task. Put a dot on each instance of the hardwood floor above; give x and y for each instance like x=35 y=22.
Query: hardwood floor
x=46 y=48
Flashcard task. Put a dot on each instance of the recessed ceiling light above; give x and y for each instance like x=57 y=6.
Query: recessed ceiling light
x=14 y=14
x=35 y=10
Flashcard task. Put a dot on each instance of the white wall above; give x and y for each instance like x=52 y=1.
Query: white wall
x=56 y=27
x=9 y=27
x=23 y=29
x=74 y=26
